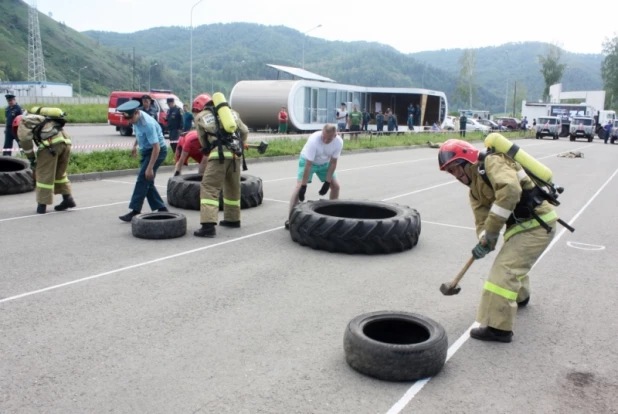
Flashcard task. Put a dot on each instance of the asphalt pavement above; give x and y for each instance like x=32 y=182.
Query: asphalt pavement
x=95 y=320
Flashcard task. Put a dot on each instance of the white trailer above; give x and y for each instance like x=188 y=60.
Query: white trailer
x=534 y=110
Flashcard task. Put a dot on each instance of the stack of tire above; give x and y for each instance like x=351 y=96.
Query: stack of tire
x=15 y=176
x=183 y=192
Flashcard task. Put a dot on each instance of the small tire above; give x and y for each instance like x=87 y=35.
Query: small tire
x=355 y=227
x=15 y=176
x=159 y=225
x=183 y=192
x=395 y=346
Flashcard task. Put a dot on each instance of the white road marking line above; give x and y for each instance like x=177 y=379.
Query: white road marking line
x=130 y=183
x=448 y=225
x=278 y=201
x=421 y=190
x=360 y=168
x=122 y=269
x=417 y=386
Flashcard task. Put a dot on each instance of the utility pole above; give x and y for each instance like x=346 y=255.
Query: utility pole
x=514 y=96
x=133 y=76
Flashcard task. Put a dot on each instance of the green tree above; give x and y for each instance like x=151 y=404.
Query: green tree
x=466 y=88
x=551 y=68
x=609 y=69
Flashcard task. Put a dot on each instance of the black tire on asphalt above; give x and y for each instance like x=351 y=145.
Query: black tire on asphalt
x=159 y=225
x=184 y=192
x=395 y=346
x=352 y=226
x=15 y=176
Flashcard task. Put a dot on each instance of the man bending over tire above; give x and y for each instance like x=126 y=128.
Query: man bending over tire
x=319 y=156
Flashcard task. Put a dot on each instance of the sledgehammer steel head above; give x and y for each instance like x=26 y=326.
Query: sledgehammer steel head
x=448 y=291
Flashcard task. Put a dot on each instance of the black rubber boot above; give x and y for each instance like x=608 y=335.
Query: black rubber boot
x=487 y=333
x=41 y=209
x=234 y=224
x=523 y=303
x=163 y=210
x=129 y=216
x=207 y=230
x=67 y=202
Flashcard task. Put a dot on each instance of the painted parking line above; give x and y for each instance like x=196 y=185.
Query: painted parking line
x=418 y=386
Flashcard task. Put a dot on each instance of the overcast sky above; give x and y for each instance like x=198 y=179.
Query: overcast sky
x=409 y=26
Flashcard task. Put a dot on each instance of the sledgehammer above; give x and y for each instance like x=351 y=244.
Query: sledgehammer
x=453 y=288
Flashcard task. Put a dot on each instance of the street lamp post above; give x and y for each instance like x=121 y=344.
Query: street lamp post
x=191 y=47
x=304 y=37
x=79 y=79
x=149 y=72
x=506 y=94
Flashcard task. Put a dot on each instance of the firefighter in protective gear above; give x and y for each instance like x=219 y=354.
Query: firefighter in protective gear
x=51 y=159
x=222 y=169
x=498 y=199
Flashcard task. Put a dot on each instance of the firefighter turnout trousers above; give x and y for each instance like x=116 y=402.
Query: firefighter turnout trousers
x=217 y=176
x=51 y=172
x=508 y=282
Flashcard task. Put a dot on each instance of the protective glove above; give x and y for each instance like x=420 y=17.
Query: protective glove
x=33 y=164
x=177 y=173
x=325 y=188
x=301 y=192
x=487 y=243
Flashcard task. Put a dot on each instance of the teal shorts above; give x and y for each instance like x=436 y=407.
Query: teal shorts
x=320 y=170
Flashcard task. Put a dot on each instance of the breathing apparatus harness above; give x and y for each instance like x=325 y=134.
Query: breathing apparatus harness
x=232 y=142
x=57 y=128
x=530 y=199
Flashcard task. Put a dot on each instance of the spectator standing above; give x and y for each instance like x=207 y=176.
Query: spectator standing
x=174 y=122
x=187 y=119
x=283 y=121
x=342 y=117
x=12 y=111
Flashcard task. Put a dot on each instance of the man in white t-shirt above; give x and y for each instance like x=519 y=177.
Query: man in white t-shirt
x=319 y=156
x=342 y=117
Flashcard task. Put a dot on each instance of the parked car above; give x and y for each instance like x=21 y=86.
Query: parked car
x=511 y=124
x=474 y=125
x=491 y=124
x=548 y=126
x=159 y=98
x=582 y=127
x=449 y=123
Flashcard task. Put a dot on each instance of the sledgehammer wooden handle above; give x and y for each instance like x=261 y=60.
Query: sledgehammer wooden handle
x=462 y=272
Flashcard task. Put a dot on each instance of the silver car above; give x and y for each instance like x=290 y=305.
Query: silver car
x=548 y=126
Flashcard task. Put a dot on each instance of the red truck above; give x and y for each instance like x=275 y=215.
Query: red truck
x=159 y=97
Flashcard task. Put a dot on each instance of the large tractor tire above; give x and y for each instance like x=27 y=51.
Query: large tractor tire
x=159 y=225
x=15 y=176
x=183 y=192
x=351 y=226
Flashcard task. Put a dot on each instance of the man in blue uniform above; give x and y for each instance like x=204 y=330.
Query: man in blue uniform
x=12 y=111
x=149 y=138
x=174 y=123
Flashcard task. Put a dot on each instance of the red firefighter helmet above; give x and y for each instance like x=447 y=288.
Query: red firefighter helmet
x=200 y=102
x=16 y=122
x=454 y=150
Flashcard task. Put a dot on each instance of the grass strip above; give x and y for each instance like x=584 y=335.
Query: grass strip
x=120 y=159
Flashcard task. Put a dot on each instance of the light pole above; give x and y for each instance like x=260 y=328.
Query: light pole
x=149 y=71
x=191 y=47
x=506 y=94
x=79 y=79
x=304 y=37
